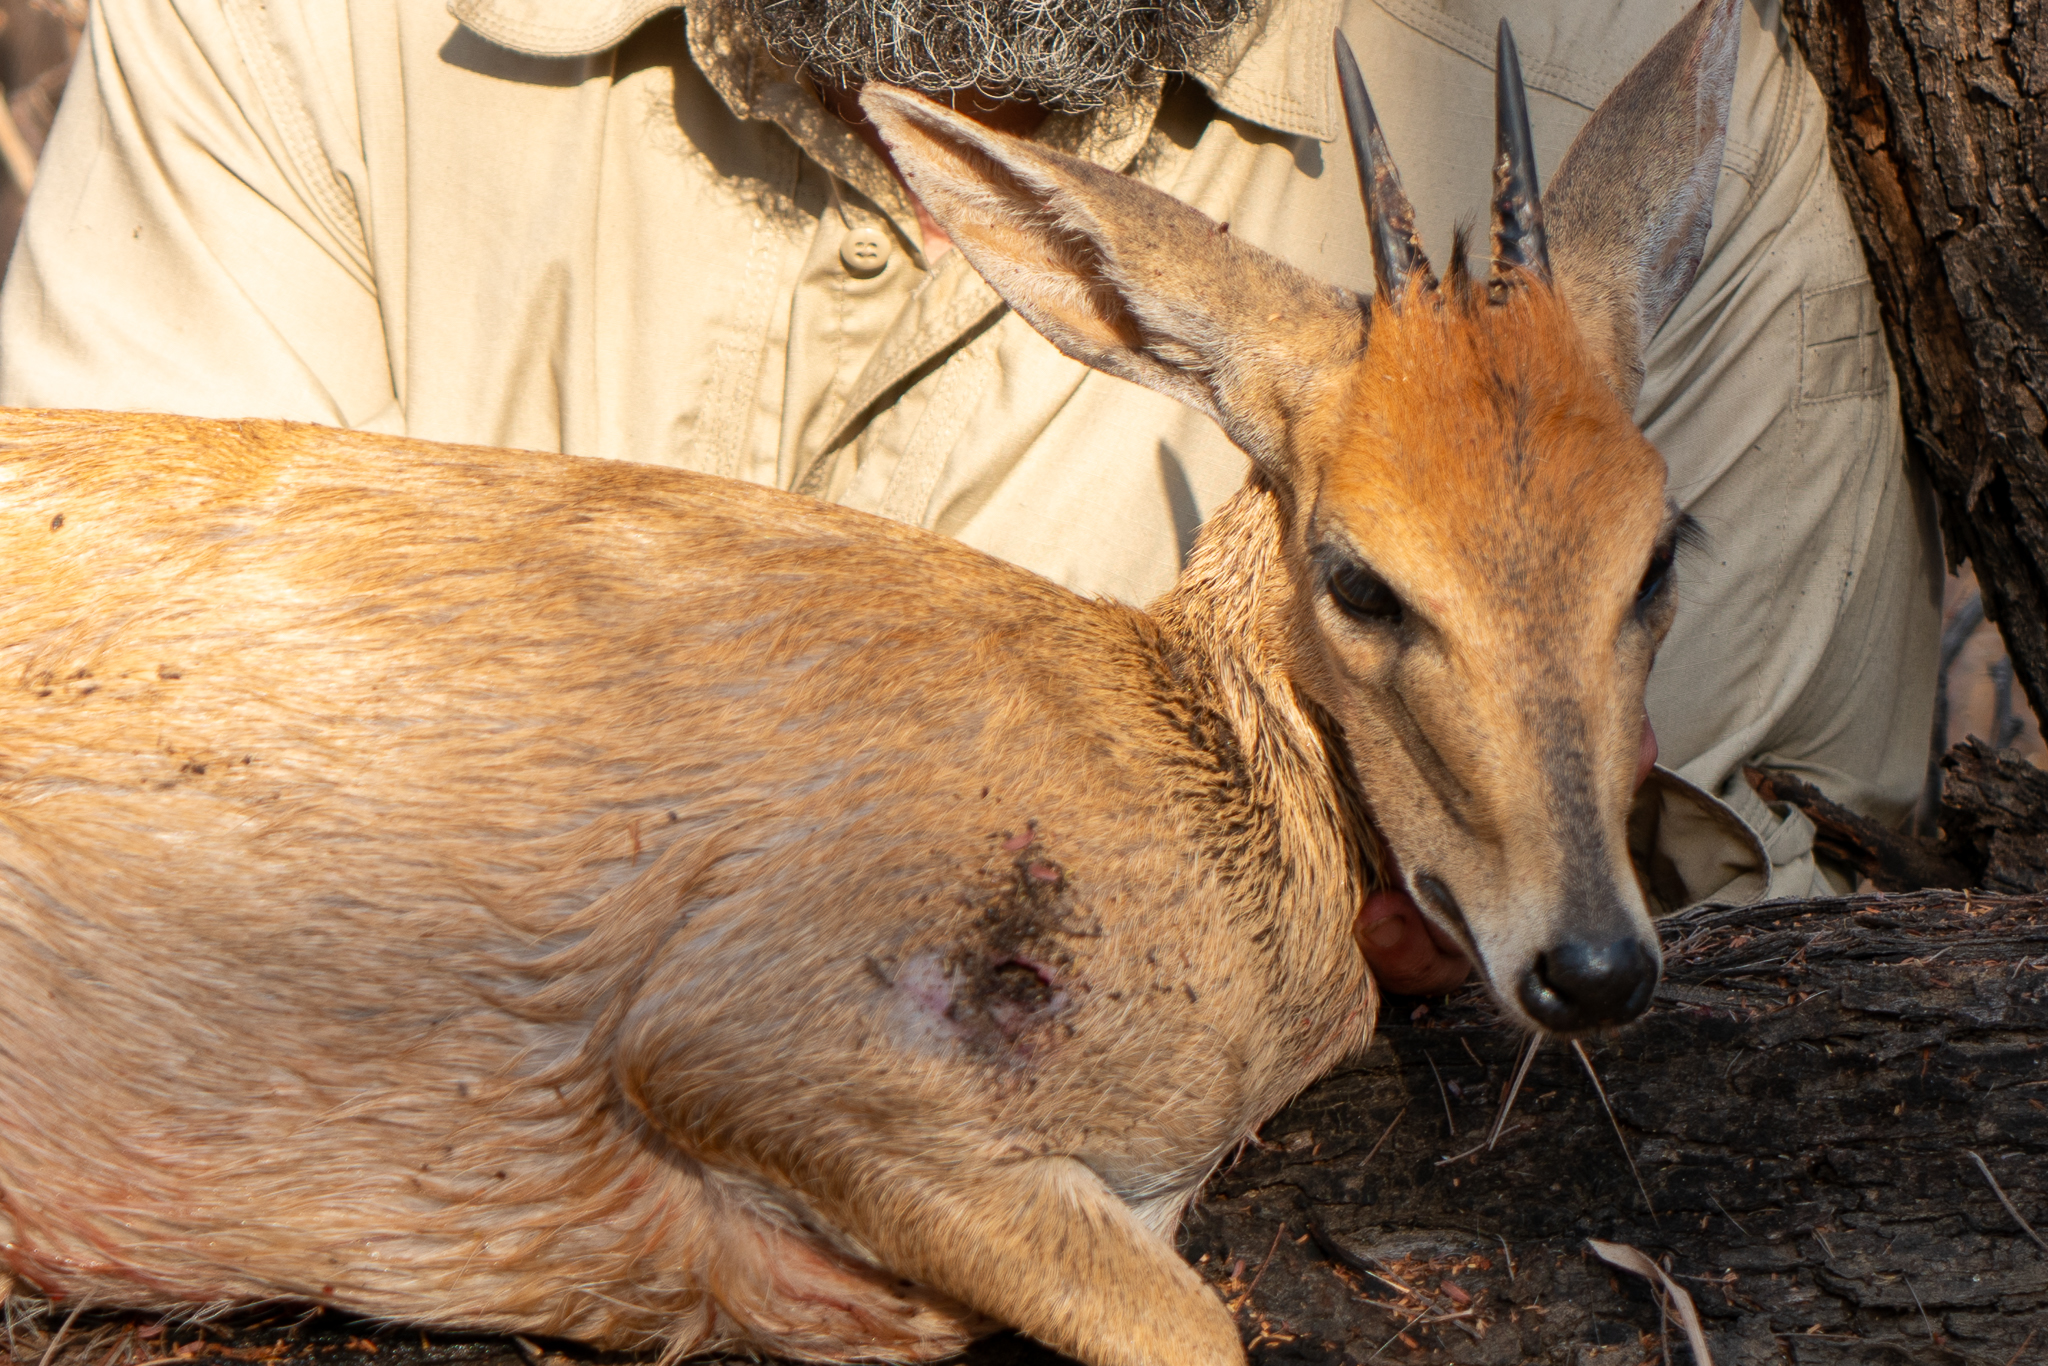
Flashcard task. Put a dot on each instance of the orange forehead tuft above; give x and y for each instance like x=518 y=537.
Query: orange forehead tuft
x=1482 y=441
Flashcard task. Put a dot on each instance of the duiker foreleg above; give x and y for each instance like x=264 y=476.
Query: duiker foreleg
x=1043 y=1245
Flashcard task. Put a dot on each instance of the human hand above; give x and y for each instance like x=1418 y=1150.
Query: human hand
x=1408 y=955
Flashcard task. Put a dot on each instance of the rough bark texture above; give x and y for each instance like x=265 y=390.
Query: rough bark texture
x=1894 y=860
x=1940 y=137
x=1992 y=816
x=1800 y=1105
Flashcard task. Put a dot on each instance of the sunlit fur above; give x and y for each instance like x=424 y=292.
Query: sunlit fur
x=563 y=896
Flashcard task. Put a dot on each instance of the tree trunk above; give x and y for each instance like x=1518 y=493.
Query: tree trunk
x=1940 y=138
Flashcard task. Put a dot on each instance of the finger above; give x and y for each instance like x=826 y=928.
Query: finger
x=1401 y=950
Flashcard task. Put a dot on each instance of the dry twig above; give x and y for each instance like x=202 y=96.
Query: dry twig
x=2000 y=1193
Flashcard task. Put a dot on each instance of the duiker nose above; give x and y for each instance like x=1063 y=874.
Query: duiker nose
x=1581 y=985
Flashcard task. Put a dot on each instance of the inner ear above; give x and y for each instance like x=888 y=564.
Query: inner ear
x=996 y=208
x=1125 y=278
x=1014 y=219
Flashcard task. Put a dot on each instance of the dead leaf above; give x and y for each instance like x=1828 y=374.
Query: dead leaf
x=1625 y=1258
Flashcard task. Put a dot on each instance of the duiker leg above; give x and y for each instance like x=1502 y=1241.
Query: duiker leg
x=1042 y=1244
x=798 y=1299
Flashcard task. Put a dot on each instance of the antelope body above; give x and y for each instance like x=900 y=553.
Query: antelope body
x=556 y=896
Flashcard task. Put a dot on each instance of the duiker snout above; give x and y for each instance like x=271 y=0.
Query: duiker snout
x=1591 y=977
x=1572 y=958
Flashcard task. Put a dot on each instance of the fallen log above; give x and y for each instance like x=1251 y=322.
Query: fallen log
x=1828 y=1130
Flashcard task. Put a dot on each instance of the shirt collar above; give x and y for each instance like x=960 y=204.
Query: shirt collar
x=1274 y=71
x=1279 y=71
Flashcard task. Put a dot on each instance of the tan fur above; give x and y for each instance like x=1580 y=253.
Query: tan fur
x=512 y=891
x=1492 y=479
x=499 y=889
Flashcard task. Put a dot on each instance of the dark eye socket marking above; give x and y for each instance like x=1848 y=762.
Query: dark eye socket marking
x=1363 y=594
x=1657 y=577
x=1684 y=532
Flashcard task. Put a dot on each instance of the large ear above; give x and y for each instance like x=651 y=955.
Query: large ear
x=1127 y=279
x=1629 y=210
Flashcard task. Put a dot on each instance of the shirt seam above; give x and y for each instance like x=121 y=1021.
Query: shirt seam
x=284 y=102
x=1468 y=42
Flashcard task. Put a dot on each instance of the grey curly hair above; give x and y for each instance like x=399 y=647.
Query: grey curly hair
x=1066 y=55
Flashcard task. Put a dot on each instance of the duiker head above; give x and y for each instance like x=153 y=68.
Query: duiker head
x=1476 y=537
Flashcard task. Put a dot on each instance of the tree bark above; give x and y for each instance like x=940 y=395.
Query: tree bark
x=1791 y=1127
x=1940 y=138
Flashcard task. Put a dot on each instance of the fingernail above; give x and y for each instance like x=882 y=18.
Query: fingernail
x=1386 y=933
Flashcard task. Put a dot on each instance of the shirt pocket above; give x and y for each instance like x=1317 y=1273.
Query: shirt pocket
x=1841 y=343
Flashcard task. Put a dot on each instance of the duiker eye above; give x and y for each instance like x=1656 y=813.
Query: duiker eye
x=1364 y=594
x=1657 y=577
x=1685 y=532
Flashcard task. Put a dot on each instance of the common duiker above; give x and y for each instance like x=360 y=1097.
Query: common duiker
x=540 y=894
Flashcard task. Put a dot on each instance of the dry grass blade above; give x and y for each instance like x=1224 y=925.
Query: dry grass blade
x=1446 y=1095
x=1521 y=1070
x=1729 y=1217
x=1423 y=1313
x=1619 y=1137
x=51 y=1350
x=1477 y=1148
x=1925 y=1321
x=123 y=1341
x=1670 y=1293
x=1261 y=1274
x=1373 y=1151
x=2000 y=1193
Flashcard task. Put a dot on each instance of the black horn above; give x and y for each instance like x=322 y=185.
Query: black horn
x=1397 y=255
x=1517 y=203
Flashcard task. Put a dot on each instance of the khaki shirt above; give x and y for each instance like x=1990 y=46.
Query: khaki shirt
x=615 y=229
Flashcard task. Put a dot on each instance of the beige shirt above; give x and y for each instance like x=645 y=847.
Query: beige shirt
x=614 y=229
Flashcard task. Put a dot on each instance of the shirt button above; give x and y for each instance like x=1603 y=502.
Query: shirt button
x=865 y=251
